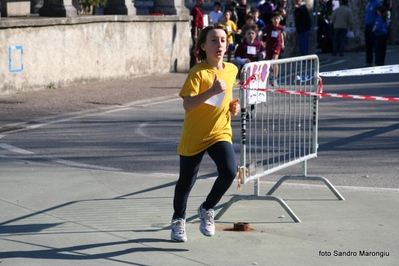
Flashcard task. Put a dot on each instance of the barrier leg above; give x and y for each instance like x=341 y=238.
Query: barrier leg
x=253 y=197
x=306 y=178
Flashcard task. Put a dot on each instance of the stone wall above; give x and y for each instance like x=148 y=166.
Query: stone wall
x=36 y=53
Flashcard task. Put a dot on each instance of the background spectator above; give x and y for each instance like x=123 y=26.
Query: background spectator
x=380 y=31
x=249 y=50
x=249 y=19
x=321 y=16
x=369 y=22
x=388 y=6
x=329 y=9
x=231 y=31
x=280 y=4
x=335 y=4
x=196 y=26
x=303 y=25
x=265 y=11
x=325 y=27
x=273 y=38
x=216 y=15
x=242 y=10
x=259 y=22
x=231 y=6
x=281 y=7
x=342 y=21
x=283 y=14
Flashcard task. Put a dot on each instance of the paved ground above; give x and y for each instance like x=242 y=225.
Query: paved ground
x=28 y=106
x=67 y=216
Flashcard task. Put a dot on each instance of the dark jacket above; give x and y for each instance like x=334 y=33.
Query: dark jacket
x=302 y=19
x=380 y=27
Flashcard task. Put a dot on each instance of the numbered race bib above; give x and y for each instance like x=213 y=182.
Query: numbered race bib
x=275 y=34
x=251 y=50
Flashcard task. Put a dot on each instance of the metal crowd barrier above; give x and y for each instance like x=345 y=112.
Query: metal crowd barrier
x=278 y=124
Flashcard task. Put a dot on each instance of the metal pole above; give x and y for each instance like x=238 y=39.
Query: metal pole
x=315 y=28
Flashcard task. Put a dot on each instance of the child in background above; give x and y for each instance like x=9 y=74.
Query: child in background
x=231 y=29
x=283 y=14
x=380 y=31
x=274 y=41
x=249 y=50
x=249 y=20
x=260 y=23
x=207 y=100
x=216 y=15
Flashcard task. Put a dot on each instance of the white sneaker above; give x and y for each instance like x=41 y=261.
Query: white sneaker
x=178 y=233
x=274 y=83
x=207 y=226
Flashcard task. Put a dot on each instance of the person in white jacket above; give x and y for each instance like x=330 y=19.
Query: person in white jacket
x=216 y=15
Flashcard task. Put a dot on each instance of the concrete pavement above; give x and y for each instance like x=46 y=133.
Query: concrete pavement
x=69 y=216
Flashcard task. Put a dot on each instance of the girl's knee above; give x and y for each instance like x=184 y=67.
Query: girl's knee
x=230 y=173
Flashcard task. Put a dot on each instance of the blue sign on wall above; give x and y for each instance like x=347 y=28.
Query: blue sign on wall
x=15 y=59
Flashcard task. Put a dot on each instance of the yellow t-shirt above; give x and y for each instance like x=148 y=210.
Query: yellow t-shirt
x=207 y=124
x=231 y=29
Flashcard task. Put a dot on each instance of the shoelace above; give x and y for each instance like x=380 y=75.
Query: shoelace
x=179 y=226
x=210 y=214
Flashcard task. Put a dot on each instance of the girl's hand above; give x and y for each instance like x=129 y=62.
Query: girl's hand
x=235 y=106
x=218 y=85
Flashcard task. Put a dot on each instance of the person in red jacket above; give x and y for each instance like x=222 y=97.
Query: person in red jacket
x=196 y=26
x=273 y=37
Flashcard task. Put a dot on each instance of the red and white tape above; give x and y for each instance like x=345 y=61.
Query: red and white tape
x=354 y=72
x=333 y=95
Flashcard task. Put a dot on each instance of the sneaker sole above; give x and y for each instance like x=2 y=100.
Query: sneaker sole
x=207 y=233
x=178 y=240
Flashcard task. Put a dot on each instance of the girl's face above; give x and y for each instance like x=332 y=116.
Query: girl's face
x=216 y=45
x=227 y=16
x=250 y=36
x=276 y=20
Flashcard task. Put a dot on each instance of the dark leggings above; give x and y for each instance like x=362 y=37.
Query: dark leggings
x=222 y=153
x=369 y=40
x=380 y=49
